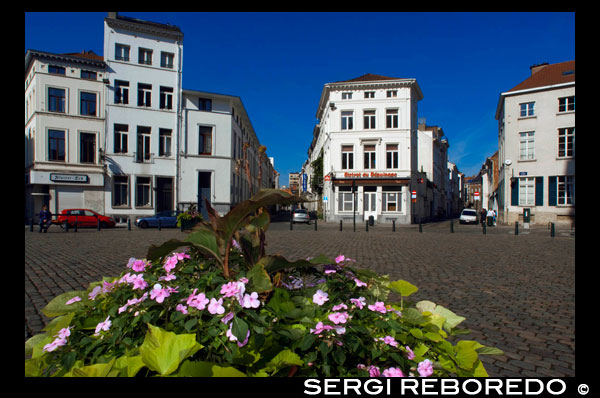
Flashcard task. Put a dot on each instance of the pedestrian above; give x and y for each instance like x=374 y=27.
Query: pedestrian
x=482 y=215
x=45 y=219
x=495 y=216
x=490 y=217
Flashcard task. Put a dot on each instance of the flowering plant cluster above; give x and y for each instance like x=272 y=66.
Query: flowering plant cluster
x=190 y=309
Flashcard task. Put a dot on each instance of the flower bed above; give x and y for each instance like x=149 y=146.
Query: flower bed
x=216 y=305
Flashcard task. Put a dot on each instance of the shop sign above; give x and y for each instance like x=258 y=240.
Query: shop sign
x=372 y=174
x=76 y=178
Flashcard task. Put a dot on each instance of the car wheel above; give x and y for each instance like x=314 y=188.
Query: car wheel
x=143 y=224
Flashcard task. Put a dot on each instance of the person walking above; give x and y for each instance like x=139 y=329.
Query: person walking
x=482 y=215
x=45 y=219
x=490 y=218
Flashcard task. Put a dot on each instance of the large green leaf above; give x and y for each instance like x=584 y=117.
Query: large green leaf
x=239 y=329
x=451 y=319
x=276 y=263
x=129 y=366
x=218 y=371
x=96 y=370
x=403 y=287
x=260 y=281
x=163 y=351
x=57 y=305
x=195 y=369
x=205 y=240
x=284 y=359
x=36 y=341
x=58 y=323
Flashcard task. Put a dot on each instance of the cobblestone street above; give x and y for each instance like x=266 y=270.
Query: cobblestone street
x=517 y=292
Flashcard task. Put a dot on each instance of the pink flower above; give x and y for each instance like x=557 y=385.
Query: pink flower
x=139 y=265
x=359 y=283
x=170 y=263
x=58 y=342
x=393 y=372
x=338 y=317
x=378 y=307
x=73 y=300
x=181 y=256
x=243 y=280
x=359 y=302
x=409 y=353
x=139 y=282
x=159 y=294
x=389 y=340
x=227 y=318
x=168 y=277
x=64 y=332
x=197 y=301
x=233 y=289
x=103 y=326
x=216 y=307
x=425 y=368
x=340 y=258
x=107 y=287
x=320 y=327
x=339 y=307
x=181 y=308
x=340 y=329
x=320 y=297
x=96 y=291
x=250 y=301
x=374 y=371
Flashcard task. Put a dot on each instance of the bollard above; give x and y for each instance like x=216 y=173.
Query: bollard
x=367 y=226
x=31 y=225
x=181 y=222
x=451 y=226
x=393 y=225
x=420 y=227
x=158 y=218
x=98 y=224
x=315 y=224
x=66 y=225
x=129 y=224
x=291 y=224
x=484 y=229
x=340 y=225
x=75 y=226
x=552 y=230
x=516 y=228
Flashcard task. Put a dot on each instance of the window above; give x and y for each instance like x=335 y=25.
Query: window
x=347 y=157
x=142 y=192
x=527 y=109
x=88 y=104
x=347 y=120
x=526 y=146
x=566 y=190
x=86 y=74
x=144 y=94
x=369 y=156
x=391 y=156
x=120 y=191
x=164 y=142
x=56 y=145
x=526 y=191
x=121 y=138
x=143 y=154
x=166 y=97
x=121 y=92
x=144 y=56
x=391 y=199
x=392 y=93
x=56 y=100
x=121 y=52
x=566 y=104
x=369 y=119
x=391 y=118
x=166 y=60
x=369 y=94
x=87 y=148
x=566 y=142
x=57 y=70
x=346 y=96
x=206 y=105
x=345 y=199
x=205 y=140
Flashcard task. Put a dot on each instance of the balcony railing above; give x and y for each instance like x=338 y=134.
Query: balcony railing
x=143 y=157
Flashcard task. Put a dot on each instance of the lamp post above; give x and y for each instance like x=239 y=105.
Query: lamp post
x=354 y=204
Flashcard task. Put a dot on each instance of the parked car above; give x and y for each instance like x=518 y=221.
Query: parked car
x=168 y=218
x=468 y=216
x=84 y=218
x=300 y=215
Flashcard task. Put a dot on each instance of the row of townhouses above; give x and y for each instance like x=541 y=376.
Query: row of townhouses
x=531 y=177
x=372 y=158
x=118 y=134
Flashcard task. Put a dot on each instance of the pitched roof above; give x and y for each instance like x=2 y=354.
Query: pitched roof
x=369 y=77
x=86 y=54
x=549 y=75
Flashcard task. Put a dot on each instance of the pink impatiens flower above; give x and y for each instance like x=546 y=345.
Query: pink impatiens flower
x=103 y=326
x=338 y=317
x=250 y=301
x=216 y=307
x=58 y=342
x=409 y=353
x=139 y=265
x=73 y=300
x=233 y=289
x=374 y=371
x=320 y=327
x=339 y=307
x=393 y=372
x=320 y=297
x=233 y=338
x=389 y=340
x=170 y=263
x=159 y=294
x=359 y=283
x=181 y=308
x=197 y=301
x=425 y=368
x=64 y=332
x=96 y=291
x=139 y=282
x=379 y=306
x=359 y=302
x=340 y=258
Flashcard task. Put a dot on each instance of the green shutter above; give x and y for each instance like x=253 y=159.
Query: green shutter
x=514 y=192
x=552 y=191
x=539 y=191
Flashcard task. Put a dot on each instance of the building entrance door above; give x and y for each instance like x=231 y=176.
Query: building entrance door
x=370 y=205
x=164 y=194
x=204 y=192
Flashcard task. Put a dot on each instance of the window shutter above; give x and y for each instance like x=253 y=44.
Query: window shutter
x=514 y=192
x=552 y=191
x=539 y=191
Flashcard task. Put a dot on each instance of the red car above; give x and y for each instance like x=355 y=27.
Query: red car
x=84 y=218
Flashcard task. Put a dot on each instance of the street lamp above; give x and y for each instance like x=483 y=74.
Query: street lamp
x=354 y=205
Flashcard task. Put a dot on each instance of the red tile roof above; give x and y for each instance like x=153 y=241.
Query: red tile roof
x=369 y=77
x=549 y=75
x=86 y=54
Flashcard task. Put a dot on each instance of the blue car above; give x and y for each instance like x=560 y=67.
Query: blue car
x=168 y=218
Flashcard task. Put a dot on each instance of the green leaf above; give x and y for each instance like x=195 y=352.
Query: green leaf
x=57 y=305
x=163 y=351
x=435 y=337
x=466 y=357
x=205 y=240
x=489 y=351
x=156 y=252
x=412 y=315
x=35 y=340
x=129 y=366
x=218 y=371
x=285 y=358
x=276 y=263
x=96 y=370
x=259 y=279
x=239 y=328
x=417 y=333
x=58 y=323
x=195 y=369
x=307 y=341
x=403 y=287
x=451 y=319
x=480 y=370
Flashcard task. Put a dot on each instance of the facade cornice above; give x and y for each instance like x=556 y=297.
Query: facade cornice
x=140 y=27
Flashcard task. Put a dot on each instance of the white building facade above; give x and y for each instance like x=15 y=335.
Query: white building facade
x=143 y=106
x=536 y=147
x=64 y=131
x=368 y=134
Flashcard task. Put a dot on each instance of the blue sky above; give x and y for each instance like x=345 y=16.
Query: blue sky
x=278 y=63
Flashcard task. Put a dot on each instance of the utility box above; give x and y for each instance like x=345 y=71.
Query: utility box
x=527 y=216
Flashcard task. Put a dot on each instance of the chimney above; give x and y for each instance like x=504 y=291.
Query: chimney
x=112 y=15
x=537 y=67
x=421 y=123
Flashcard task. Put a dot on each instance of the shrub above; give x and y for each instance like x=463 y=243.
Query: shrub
x=216 y=305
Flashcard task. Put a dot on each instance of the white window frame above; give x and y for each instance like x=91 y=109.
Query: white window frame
x=527 y=109
x=527 y=145
x=347 y=95
x=127 y=197
x=369 y=94
x=122 y=52
x=395 y=159
x=567 y=104
x=565 y=185
x=385 y=200
x=391 y=94
x=370 y=157
x=345 y=198
x=349 y=155
x=369 y=118
x=149 y=187
x=526 y=191
x=568 y=135
x=347 y=120
x=391 y=118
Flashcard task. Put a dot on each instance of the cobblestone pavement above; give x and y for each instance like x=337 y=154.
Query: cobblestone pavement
x=517 y=292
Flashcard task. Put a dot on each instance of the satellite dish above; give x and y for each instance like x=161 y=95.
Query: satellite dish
x=508 y=162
